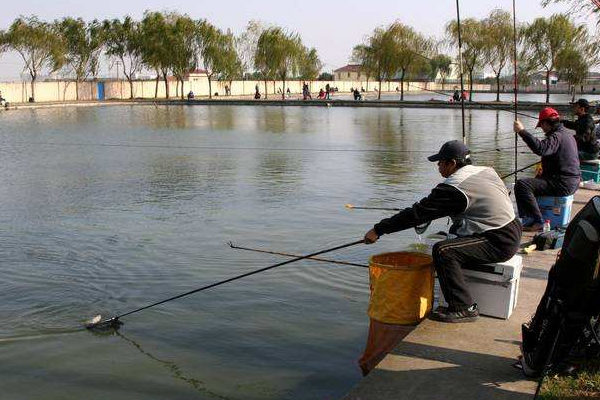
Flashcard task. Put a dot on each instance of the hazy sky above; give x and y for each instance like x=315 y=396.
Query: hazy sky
x=333 y=26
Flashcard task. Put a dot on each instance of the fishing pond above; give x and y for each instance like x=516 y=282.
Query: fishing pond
x=106 y=209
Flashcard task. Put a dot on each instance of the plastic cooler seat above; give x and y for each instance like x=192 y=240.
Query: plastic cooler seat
x=556 y=209
x=590 y=170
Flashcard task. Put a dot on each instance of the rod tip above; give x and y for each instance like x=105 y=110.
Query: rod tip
x=96 y=324
x=349 y=206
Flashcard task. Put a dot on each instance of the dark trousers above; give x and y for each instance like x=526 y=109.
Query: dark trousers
x=526 y=190
x=449 y=256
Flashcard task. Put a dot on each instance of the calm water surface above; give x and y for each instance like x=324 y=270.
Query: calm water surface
x=107 y=209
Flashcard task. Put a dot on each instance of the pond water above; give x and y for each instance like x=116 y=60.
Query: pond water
x=111 y=208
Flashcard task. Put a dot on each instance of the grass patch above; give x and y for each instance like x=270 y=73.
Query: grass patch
x=583 y=384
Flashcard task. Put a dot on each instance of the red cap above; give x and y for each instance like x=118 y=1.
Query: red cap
x=547 y=113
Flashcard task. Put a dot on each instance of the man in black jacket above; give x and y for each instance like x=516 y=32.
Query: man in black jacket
x=560 y=167
x=585 y=130
x=487 y=230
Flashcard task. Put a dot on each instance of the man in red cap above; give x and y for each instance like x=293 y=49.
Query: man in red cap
x=560 y=167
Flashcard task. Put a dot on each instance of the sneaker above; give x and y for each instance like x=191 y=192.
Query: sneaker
x=455 y=316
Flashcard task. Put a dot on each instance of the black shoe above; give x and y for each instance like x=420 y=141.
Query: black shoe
x=455 y=316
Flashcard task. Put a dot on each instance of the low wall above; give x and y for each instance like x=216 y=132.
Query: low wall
x=19 y=92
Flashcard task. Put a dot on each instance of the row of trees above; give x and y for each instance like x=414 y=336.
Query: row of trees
x=174 y=44
x=547 y=44
x=165 y=43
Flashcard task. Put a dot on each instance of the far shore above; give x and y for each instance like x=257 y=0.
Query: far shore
x=370 y=100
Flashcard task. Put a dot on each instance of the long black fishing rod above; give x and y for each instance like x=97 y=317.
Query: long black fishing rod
x=114 y=322
x=519 y=170
x=516 y=81
x=277 y=253
x=462 y=84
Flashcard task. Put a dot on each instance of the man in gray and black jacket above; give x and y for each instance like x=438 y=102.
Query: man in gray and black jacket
x=487 y=230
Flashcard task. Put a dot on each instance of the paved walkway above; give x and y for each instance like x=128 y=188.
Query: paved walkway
x=438 y=361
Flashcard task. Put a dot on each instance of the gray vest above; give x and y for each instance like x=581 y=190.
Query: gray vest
x=488 y=204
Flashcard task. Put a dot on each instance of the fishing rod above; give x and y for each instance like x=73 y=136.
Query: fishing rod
x=519 y=170
x=462 y=84
x=477 y=103
x=114 y=322
x=296 y=255
x=516 y=81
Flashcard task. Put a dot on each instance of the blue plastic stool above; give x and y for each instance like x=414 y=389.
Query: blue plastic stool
x=590 y=170
x=556 y=209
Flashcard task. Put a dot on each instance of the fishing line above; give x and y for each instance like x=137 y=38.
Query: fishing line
x=142 y=146
x=210 y=148
x=485 y=106
x=277 y=253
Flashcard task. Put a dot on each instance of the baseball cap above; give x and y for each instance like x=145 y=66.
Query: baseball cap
x=452 y=150
x=582 y=103
x=547 y=113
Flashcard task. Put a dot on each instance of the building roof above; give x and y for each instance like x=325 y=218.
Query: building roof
x=349 y=68
x=197 y=72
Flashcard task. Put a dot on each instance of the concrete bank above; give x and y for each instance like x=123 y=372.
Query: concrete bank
x=241 y=101
x=438 y=361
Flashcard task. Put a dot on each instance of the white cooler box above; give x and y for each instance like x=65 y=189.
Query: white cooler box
x=494 y=287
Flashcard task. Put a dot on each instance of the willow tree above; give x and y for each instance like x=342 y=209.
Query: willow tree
x=309 y=64
x=572 y=68
x=183 y=33
x=286 y=51
x=363 y=55
x=473 y=46
x=499 y=43
x=278 y=54
x=411 y=51
x=266 y=61
x=37 y=43
x=123 y=41
x=246 y=44
x=155 y=42
x=577 y=6
x=83 y=46
x=230 y=66
x=217 y=52
x=440 y=64
x=377 y=56
x=547 y=38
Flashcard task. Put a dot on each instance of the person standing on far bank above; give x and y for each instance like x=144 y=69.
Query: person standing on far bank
x=484 y=221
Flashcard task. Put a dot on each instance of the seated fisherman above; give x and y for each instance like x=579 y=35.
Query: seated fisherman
x=585 y=130
x=560 y=167
x=477 y=201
